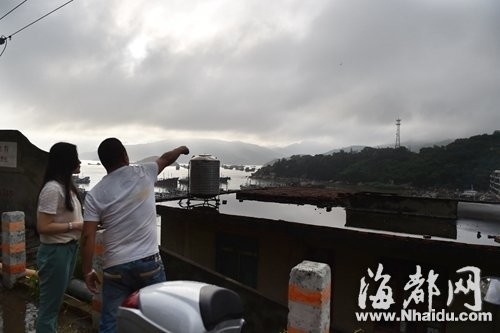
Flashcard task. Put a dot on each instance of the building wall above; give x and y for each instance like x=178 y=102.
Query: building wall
x=21 y=178
x=261 y=314
x=281 y=245
x=22 y=167
x=194 y=236
x=495 y=182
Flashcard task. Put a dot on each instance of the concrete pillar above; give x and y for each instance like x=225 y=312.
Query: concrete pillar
x=97 y=265
x=309 y=292
x=13 y=248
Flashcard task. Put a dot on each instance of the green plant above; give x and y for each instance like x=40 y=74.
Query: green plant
x=34 y=284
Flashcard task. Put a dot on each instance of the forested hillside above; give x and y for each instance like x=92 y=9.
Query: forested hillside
x=460 y=164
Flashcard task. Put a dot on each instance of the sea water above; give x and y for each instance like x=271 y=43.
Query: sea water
x=95 y=171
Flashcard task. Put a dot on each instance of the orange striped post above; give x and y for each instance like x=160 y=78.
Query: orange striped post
x=97 y=265
x=309 y=291
x=13 y=248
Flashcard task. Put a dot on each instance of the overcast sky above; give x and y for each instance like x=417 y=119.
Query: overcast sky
x=267 y=72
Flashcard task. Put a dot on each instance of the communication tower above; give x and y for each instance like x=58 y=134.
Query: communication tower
x=398 y=139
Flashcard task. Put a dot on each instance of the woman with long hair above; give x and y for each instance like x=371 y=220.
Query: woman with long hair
x=59 y=224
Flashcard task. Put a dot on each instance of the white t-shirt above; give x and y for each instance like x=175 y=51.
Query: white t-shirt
x=124 y=202
x=51 y=201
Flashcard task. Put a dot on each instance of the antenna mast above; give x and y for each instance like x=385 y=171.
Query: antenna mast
x=398 y=138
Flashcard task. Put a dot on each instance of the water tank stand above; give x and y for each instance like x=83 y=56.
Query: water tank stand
x=213 y=202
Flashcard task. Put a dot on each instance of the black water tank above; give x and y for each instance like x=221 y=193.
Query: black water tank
x=204 y=176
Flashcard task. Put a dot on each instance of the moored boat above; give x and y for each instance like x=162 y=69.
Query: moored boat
x=167 y=182
x=81 y=180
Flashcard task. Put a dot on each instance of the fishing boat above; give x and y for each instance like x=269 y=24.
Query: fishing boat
x=223 y=180
x=81 y=180
x=167 y=182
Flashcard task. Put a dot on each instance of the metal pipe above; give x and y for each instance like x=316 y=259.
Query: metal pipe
x=79 y=290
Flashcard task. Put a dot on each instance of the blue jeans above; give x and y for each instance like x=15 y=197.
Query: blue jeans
x=56 y=263
x=122 y=280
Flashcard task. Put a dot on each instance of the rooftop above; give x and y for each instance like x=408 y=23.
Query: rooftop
x=435 y=220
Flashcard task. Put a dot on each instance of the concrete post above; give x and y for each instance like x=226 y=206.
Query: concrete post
x=97 y=265
x=309 y=292
x=13 y=248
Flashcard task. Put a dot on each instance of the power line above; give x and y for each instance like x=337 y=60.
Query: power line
x=38 y=19
x=13 y=9
x=3 y=40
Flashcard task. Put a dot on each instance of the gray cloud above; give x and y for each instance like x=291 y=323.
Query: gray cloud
x=342 y=75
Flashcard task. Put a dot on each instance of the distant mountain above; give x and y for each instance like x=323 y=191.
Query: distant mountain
x=346 y=149
x=302 y=148
x=152 y=159
x=463 y=163
x=415 y=146
x=228 y=152
x=241 y=153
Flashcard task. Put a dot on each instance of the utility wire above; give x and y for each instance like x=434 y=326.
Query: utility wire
x=3 y=40
x=38 y=19
x=13 y=9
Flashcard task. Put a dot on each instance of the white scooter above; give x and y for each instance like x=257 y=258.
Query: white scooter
x=490 y=289
x=181 y=307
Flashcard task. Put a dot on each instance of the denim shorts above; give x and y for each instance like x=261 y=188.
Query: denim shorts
x=122 y=280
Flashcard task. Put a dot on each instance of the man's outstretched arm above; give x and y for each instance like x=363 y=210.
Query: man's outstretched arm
x=170 y=157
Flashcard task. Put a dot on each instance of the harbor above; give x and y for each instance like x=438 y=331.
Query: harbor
x=173 y=182
x=274 y=229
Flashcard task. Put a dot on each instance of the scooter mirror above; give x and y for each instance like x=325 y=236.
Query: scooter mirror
x=490 y=289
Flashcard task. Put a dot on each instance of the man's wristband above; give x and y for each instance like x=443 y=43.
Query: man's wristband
x=70 y=226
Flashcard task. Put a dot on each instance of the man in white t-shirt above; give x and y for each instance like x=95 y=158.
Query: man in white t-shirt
x=123 y=202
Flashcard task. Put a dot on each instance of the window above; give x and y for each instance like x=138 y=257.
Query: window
x=237 y=258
